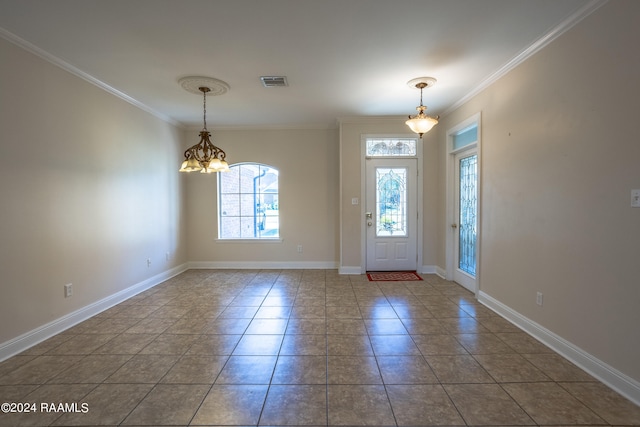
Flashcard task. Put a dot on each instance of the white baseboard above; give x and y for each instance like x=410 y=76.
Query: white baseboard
x=434 y=269
x=35 y=336
x=263 y=265
x=430 y=269
x=610 y=376
x=354 y=270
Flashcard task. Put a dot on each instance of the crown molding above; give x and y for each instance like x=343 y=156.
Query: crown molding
x=31 y=48
x=538 y=45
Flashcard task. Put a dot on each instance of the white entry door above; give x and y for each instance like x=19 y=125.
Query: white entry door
x=466 y=219
x=391 y=215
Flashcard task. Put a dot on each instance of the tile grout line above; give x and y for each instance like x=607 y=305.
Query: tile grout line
x=204 y=397
x=384 y=384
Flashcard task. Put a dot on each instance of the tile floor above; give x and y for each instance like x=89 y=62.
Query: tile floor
x=276 y=348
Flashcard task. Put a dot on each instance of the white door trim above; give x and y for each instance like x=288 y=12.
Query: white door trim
x=363 y=196
x=450 y=192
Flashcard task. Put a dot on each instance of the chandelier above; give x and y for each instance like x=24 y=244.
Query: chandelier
x=204 y=157
x=421 y=123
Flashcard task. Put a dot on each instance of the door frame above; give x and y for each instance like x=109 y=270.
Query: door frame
x=363 y=196
x=392 y=243
x=474 y=120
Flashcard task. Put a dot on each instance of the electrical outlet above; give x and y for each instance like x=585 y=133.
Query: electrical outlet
x=299 y=249
x=148 y=262
x=539 y=298
x=167 y=256
x=68 y=290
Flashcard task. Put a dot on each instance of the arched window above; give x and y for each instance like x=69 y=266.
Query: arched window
x=248 y=202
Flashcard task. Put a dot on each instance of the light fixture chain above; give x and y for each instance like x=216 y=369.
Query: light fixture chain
x=421 y=123
x=204 y=109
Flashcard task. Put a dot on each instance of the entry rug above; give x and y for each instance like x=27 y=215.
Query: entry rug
x=393 y=276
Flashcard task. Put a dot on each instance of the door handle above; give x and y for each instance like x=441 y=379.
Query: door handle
x=368 y=215
x=369 y=223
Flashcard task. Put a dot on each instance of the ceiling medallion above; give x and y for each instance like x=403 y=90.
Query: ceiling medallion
x=426 y=81
x=194 y=83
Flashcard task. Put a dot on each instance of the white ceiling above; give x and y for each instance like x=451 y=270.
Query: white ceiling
x=341 y=57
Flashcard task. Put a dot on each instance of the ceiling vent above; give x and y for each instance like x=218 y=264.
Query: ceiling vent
x=274 y=81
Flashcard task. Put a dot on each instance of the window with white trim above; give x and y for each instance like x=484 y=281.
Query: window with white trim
x=248 y=202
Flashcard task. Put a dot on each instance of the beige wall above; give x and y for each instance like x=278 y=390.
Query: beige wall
x=351 y=132
x=308 y=198
x=89 y=190
x=560 y=155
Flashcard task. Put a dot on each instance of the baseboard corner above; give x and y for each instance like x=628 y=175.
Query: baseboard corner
x=613 y=378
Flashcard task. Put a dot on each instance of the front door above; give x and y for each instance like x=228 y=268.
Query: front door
x=466 y=222
x=391 y=215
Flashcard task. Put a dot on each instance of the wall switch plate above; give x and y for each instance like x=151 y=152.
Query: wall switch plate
x=635 y=198
x=355 y=201
x=539 y=298
x=68 y=290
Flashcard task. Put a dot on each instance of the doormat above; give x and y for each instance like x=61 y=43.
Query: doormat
x=393 y=276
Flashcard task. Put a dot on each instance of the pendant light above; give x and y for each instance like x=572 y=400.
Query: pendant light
x=421 y=123
x=204 y=157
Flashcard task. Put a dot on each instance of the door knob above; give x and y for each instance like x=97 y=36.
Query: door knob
x=369 y=223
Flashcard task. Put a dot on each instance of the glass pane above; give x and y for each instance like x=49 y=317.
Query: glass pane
x=230 y=180
x=271 y=222
x=391 y=201
x=230 y=227
x=379 y=147
x=248 y=204
x=468 y=211
x=248 y=173
x=230 y=205
x=466 y=137
x=248 y=228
